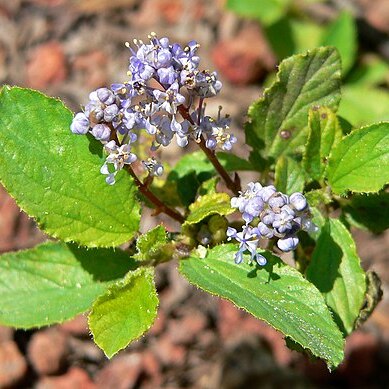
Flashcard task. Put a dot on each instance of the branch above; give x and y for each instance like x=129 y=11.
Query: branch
x=160 y=206
x=233 y=185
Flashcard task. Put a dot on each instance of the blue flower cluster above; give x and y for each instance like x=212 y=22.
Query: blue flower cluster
x=269 y=214
x=164 y=80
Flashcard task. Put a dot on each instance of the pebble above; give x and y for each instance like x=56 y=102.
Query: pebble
x=46 y=65
x=122 y=372
x=13 y=366
x=74 y=378
x=47 y=351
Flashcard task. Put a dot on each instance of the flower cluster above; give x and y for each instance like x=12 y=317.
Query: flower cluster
x=160 y=98
x=269 y=214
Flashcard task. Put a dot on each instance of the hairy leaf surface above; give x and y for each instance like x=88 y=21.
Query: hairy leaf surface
x=276 y=293
x=55 y=176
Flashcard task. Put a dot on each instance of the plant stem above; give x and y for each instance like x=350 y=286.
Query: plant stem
x=160 y=206
x=233 y=185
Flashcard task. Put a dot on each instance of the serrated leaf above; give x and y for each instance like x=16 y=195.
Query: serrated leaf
x=276 y=293
x=363 y=105
x=289 y=175
x=336 y=271
x=55 y=176
x=342 y=34
x=360 y=162
x=54 y=282
x=369 y=212
x=278 y=121
x=324 y=133
x=208 y=187
x=150 y=244
x=267 y=11
x=125 y=312
x=210 y=204
x=151 y=239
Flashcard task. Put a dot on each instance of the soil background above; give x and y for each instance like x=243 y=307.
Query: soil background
x=67 y=48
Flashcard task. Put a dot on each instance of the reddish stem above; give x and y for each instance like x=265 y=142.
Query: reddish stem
x=233 y=185
x=160 y=206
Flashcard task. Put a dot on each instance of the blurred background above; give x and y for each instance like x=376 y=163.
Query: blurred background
x=67 y=48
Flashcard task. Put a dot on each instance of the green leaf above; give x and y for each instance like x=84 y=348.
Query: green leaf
x=289 y=175
x=276 y=293
x=373 y=296
x=297 y=36
x=324 y=133
x=125 y=311
x=278 y=121
x=150 y=245
x=210 y=204
x=199 y=163
x=195 y=168
x=362 y=105
x=307 y=35
x=267 y=11
x=336 y=271
x=317 y=197
x=208 y=187
x=55 y=176
x=233 y=163
x=54 y=282
x=369 y=212
x=342 y=33
x=372 y=71
x=360 y=162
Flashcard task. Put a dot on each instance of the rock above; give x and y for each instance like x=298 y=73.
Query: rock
x=167 y=352
x=74 y=378
x=245 y=58
x=77 y=326
x=6 y=333
x=13 y=366
x=159 y=324
x=360 y=358
x=50 y=3
x=121 y=372
x=186 y=329
x=377 y=14
x=9 y=213
x=47 y=351
x=228 y=319
x=92 y=6
x=152 y=369
x=171 y=10
x=281 y=353
x=85 y=350
x=46 y=65
x=93 y=68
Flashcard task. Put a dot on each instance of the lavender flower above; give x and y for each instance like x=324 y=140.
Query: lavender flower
x=160 y=97
x=271 y=214
x=248 y=241
x=118 y=156
x=80 y=124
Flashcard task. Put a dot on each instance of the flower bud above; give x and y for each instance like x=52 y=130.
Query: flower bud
x=80 y=124
x=288 y=244
x=298 y=201
x=105 y=96
x=101 y=132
